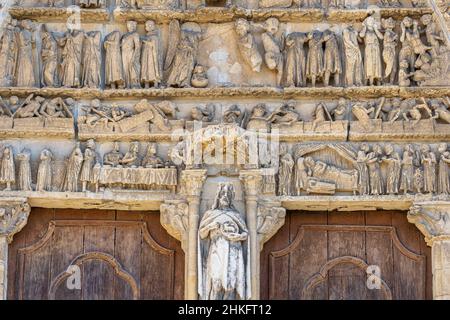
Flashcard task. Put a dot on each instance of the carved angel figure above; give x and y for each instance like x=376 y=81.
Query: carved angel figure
x=181 y=55
x=223 y=264
x=247 y=45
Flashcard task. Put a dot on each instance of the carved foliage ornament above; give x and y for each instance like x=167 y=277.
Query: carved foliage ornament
x=432 y=219
x=13 y=217
x=174 y=218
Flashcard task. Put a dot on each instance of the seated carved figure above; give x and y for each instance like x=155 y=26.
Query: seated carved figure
x=205 y=114
x=30 y=107
x=114 y=157
x=131 y=158
x=151 y=160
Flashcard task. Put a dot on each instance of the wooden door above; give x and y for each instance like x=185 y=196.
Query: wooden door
x=118 y=255
x=326 y=255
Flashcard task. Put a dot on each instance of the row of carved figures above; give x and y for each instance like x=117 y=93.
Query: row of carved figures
x=374 y=170
x=98 y=117
x=128 y=170
x=176 y=4
x=74 y=60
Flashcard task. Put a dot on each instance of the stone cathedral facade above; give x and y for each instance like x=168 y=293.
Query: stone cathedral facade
x=225 y=149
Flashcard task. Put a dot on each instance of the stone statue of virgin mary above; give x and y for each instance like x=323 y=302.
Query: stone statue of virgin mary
x=223 y=262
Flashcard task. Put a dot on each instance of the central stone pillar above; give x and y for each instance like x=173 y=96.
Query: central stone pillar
x=13 y=217
x=193 y=183
x=433 y=220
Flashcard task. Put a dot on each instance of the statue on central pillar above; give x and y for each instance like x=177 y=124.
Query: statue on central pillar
x=223 y=264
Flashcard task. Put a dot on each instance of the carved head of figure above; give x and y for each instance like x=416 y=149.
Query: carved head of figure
x=95 y=103
x=388 y=23
x=407 y=22
x=396 y=102
x=224 y=197
x=131 y=26
x=134 y=148
x=259 y=110
x=70 y=101
x=426 y=19
x=378 y=149
x=404 y=64
x=242 y=27
x=90 y=144
x=284 y=150
x=425 y=148
x=309 y=162
x=27 y=24
x=116 y=146
x=151 y=150
x=14 y=100
x=365 y=147
x=442 y=148
x=197 y=114
x=388 y=149
x=272 y=25
x=150 y=25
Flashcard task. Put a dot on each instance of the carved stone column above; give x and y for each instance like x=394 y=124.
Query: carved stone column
x=13 y=217
x=433 y=220
x=193 y=183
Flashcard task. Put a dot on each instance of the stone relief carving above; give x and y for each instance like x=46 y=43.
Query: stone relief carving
x=175 y=219
x=431 y=220
x=223 y=236
x=13 y=217
x=270 y=219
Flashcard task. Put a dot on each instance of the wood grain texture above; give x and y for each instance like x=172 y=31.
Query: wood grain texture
x=326 y=254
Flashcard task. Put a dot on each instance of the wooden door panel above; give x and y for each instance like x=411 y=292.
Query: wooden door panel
x=117 y=258
x=326 y=255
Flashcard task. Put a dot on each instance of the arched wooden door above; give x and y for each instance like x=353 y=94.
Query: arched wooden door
x=118 y=255
x=326 y=255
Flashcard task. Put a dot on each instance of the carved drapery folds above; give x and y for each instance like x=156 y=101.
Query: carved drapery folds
x=271 y=217
x=433 y=220
x=175 y=219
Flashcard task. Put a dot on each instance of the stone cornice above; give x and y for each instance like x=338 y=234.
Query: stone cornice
x=14 y=214
x=45 y=14
x=238 y=92
x=432 y=218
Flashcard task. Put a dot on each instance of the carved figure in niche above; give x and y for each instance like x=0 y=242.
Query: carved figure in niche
x=443 y=184
x=8 y=51
x=72 y=44
x=272 y=46
x=404 y=75
x=353 y=58
x=151 y=160
x=321 y=114
x=205 y=114
x=234 y=115
x=30 y=107
x=92 y=3
x=390 y=41
x=372 y=53
x=114 y=157
x=88 y=164
x=131 y=158
x=314 y=63
x=223 y=237
x=428 y=160
x=151 y=64
x=373 y=163
x=332 y=59
x=114 y=78
x=247 y=45
x=73 y=170
x=24 y=181
x=258 y=119
x=295 y=60
x=199 y=77
x=406 y=180
x=285 y=172
x=90 y=76
x=318 y=182
x=363 y=170
x=181 y=56
x=393 y=163
x=341 y=110
x=44 y=174
x=25 y=66
x=7 y=169
x=285 y=114
x=301 y=175
x=131 y=56
x=433 y=33
x=49 y=55
x=56 y=108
